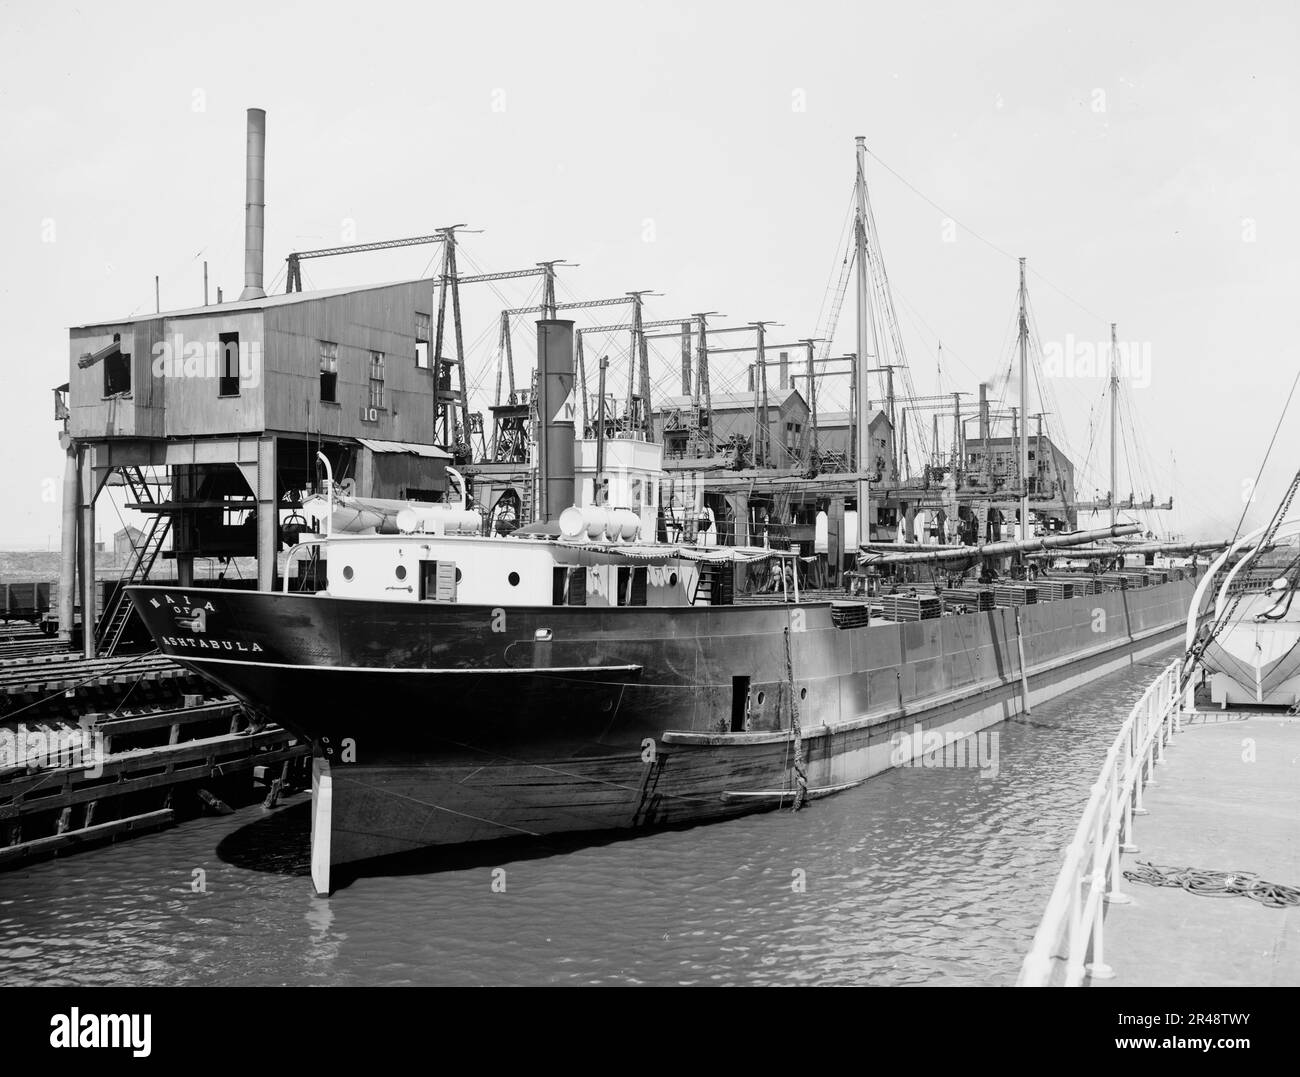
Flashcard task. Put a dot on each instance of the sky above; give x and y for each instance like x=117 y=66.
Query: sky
x=1139 y=156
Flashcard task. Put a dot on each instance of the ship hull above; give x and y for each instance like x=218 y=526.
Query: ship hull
x=446 y=724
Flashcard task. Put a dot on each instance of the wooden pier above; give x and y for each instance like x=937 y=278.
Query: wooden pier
x=93 y=750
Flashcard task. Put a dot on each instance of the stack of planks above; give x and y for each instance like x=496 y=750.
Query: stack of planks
x=1051 y=590
x=975 y=598
x=909 y=607
x=1082 y=583
x=1015 y=594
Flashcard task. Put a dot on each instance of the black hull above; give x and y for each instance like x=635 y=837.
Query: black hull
x=442 y=724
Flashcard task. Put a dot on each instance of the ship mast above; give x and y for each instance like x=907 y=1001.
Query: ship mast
x=1024 y=410
x=1114 y=425
x=863 y=416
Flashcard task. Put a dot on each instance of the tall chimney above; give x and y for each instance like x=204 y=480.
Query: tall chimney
x=555 y=408
x=984 y=413
x=784 y=370
x=254 y=204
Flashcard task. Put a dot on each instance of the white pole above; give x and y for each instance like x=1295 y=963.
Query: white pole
x=329 y=491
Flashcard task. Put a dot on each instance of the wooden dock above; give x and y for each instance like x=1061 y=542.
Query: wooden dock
x=93 y=750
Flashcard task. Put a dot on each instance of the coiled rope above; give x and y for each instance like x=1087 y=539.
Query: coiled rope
x=1217 y=884
x=800 y=770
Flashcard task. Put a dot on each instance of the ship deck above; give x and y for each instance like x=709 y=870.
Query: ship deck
x=1211 y=809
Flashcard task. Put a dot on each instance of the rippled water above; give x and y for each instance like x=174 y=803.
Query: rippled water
x=920 y=876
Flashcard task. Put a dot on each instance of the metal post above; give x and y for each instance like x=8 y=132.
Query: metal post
x=956 y=432
x=438 y=340
x=1114 y=425
x=510 y=361
x=812 y=397
x=183 y=478
x=501 y=354
x=600 y=428
x=764 y=413
x=68 y=544
x=548 y=289
x=686 y=358
x=1025 y=530
x=646 y=407
x=460 y=344
x=268 y=524
x=88 y=488
x=864 y=349
x=582 y=378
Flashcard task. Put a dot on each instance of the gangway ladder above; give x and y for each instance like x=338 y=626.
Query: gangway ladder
x=118 y=608
x=715 y=585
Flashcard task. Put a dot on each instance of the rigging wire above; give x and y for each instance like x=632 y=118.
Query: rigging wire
x=988 y=243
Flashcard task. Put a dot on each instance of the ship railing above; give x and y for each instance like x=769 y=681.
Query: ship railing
x=1068 y=947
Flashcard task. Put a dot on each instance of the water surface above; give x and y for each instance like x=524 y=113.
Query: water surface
x=920 y=876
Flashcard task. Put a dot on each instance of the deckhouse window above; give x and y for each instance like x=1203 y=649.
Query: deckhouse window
x=569 y=586
x=438 y=581
x=632 y=585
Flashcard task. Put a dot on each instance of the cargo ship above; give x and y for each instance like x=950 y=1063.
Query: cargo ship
x=613 y=666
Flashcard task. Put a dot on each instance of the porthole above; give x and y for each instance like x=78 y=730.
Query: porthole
x=672 y=579
x=759 y=698
x=513 y=579
x=458 y=575
x=803 y=693
x=400 y=572
x=347 y=572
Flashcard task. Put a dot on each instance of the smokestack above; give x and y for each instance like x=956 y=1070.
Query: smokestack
x=254 y=204
x=784 y=370
x=555 y=408
x=984 y=412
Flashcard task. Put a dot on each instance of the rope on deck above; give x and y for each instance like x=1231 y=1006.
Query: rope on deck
x=1217 y=884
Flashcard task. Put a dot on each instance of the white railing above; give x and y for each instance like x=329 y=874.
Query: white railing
x=1068 y=945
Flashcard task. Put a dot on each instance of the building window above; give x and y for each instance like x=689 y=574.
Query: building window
x=228 y=365
x=422 y=338
x=376 y=379
x=117 y=370
x=329 y=372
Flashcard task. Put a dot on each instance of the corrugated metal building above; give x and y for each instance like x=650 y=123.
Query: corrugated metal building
x=230 y=403
x=835 y=436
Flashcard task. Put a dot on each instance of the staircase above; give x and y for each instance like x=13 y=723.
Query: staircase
x=715 y=585
x=117 y=608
